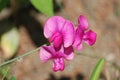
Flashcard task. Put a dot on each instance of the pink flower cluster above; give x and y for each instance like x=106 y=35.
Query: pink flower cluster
x=63 y=38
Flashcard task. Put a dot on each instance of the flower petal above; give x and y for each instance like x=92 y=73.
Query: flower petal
x=68 y=33
x=68 y=53
x=82 y=22
x=78 y=39
x=90 y=37
x=57 y=40
x=46 y=53
x=79 y=47
x=58 y=64
x=52 y=25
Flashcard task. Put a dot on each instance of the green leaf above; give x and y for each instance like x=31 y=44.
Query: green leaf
x=97 y=70
x=3 y=4
x=44 y=6
x=4 y=72
x=12 y=78
x=10 y=42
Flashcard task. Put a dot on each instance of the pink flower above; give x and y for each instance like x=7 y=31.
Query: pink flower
x=59 y=31
x=88 y=37
x=49 y=52
x=63 y=36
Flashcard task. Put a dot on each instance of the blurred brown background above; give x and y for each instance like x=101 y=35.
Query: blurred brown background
x=104 y=19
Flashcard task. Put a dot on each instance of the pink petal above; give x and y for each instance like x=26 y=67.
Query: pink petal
x=52 y=25
x=68 y=53
x=79 y=47
x=90 y=37
x=46 y=53
x=68 y=33
x=57 y=39
x=82 y=22
x=78 y=39
x=58 y=64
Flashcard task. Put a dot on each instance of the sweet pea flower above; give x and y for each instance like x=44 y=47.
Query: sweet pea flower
x=89 y=37
x=49 y=52
x=59 y=31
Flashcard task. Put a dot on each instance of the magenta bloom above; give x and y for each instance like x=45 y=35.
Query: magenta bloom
x=49 y=52
x=59 y=31
x=89 y=37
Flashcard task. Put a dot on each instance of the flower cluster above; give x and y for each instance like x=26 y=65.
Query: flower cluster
x=63 y=38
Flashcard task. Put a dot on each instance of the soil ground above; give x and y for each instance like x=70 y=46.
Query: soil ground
x=104 y=19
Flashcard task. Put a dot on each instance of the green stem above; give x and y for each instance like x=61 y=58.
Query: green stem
x=21 y=56
x=88 y=55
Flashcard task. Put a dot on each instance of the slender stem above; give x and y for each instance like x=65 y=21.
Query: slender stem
x=21 y=56
x=88 y=55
